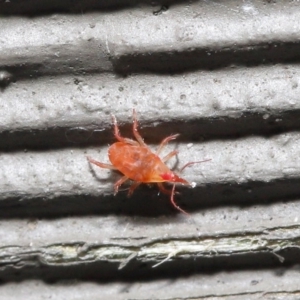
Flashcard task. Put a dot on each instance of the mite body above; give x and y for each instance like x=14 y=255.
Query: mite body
x=136 y=161
x=140 y=164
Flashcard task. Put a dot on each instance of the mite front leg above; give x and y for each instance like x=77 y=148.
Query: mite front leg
x=192 y=163
x=173 y=202
x=166 y=141
x=168 y=156
x=164 y=190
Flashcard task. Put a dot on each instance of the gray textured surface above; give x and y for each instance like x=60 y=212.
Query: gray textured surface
x=223 y=74
x=278 y=284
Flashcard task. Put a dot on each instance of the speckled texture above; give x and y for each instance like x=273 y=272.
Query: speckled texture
x=225 y=75
x=279 y=284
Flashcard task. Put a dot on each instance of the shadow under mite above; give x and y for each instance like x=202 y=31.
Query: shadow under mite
x=146 y=201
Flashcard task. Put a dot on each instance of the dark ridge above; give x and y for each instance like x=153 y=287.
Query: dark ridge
x=80 y=60
x=197 y=130
x=153 y=204
x=32 y=8
x=189 y=60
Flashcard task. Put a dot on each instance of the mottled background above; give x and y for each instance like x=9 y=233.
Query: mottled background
x=223 y=74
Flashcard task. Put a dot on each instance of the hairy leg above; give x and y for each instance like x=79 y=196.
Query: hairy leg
x=168 y=156
x=118 y=135
x=172 y=193
x=135 y=130
x=173 y=202
x=119 y=183
x=165 y=141
x=163 y=189
x=133 y=187
x=192 y=163
x=100 y=164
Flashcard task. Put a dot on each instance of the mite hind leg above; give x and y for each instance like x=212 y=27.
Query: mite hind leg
x=100 y=164
x=118 y=135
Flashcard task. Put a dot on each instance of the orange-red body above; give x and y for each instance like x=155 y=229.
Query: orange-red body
x=136 y=161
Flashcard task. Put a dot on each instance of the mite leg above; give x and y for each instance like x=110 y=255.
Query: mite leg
x=168 y=156
x=133 y=187
x=192 y=163
x=164 y=190
x=166 y=141
x=100 y=164
x=119 y=183
x=135 y=130
x=172 y=193
x=118 y=135
x=173 y=202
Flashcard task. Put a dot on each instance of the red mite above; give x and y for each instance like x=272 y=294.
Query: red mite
x=136 y=161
